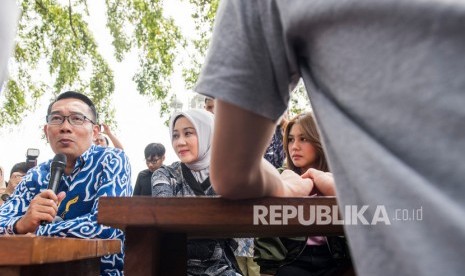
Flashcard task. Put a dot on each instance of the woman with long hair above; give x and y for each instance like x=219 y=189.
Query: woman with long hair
x=304 y=255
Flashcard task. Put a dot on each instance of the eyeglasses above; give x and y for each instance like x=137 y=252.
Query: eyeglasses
x=153 y=162
x=73 y=119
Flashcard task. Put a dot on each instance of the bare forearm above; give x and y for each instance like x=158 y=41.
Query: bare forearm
x=116 y=143
x=238 y=169
x=272 y=181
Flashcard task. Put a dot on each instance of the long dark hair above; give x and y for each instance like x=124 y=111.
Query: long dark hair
x=308 y=125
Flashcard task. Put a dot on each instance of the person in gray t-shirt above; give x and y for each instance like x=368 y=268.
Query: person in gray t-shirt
x=386 y=83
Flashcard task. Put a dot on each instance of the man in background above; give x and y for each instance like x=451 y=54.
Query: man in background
x=154 y=157
x=209 y=104
x=102 y=140
x=16 y=175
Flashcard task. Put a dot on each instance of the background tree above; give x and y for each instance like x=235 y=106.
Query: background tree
x=203 y=14
x=299 y=101
x=55 y=51
x=142 y=24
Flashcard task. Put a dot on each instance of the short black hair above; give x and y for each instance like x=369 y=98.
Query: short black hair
x=19 y=167
x=154 y=149
x=75 y=95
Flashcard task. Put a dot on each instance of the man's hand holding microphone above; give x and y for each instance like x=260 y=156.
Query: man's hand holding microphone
x=44 y=206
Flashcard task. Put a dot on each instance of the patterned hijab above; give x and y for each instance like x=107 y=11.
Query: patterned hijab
x=203 y=124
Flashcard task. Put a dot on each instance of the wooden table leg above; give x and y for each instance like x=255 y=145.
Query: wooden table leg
x=173 y=255
x=151 y=252
x=139 y=256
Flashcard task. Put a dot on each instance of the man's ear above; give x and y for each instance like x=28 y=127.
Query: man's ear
x=45 y=132
x=95 y=132
x=163 y=158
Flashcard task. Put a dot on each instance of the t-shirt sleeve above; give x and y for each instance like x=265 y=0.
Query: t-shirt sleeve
x=246 y=63
x=161 y=183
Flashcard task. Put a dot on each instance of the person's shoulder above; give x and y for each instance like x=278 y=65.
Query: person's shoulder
x=41 y=170
x=112 y=150
x=145 y=172
x=176 y=166
x=170 y=170
x=107 y=152
x=35 y=178
x=42 y=166
x=106 y=157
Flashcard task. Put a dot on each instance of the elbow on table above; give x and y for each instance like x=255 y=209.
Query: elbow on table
x=230 y=186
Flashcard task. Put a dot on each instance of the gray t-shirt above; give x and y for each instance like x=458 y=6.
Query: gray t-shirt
x=386 y=81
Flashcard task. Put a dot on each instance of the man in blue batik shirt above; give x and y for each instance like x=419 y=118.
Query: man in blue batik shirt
x=91 y=172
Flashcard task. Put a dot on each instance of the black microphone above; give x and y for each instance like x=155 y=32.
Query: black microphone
x=57 y=168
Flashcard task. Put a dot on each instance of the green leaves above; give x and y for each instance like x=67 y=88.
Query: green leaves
x=50 y=40
x=299 y=101
x=203 y=15
x=157 y=39
x=56 y=51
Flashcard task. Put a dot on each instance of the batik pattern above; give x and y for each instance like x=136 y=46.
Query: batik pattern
x=275 y=151
x=98 y=172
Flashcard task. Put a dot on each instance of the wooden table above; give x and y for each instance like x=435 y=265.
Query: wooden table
x=34 y=255
x=157 y=229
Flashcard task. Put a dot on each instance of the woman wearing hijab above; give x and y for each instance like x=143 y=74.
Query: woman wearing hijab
x=191 y=134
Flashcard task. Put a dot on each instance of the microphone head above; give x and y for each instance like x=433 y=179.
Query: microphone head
x=59 y=161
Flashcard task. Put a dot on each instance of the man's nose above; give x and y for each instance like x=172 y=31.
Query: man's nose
x=65 y=126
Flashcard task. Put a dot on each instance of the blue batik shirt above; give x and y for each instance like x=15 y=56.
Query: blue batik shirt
x=98 y=172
